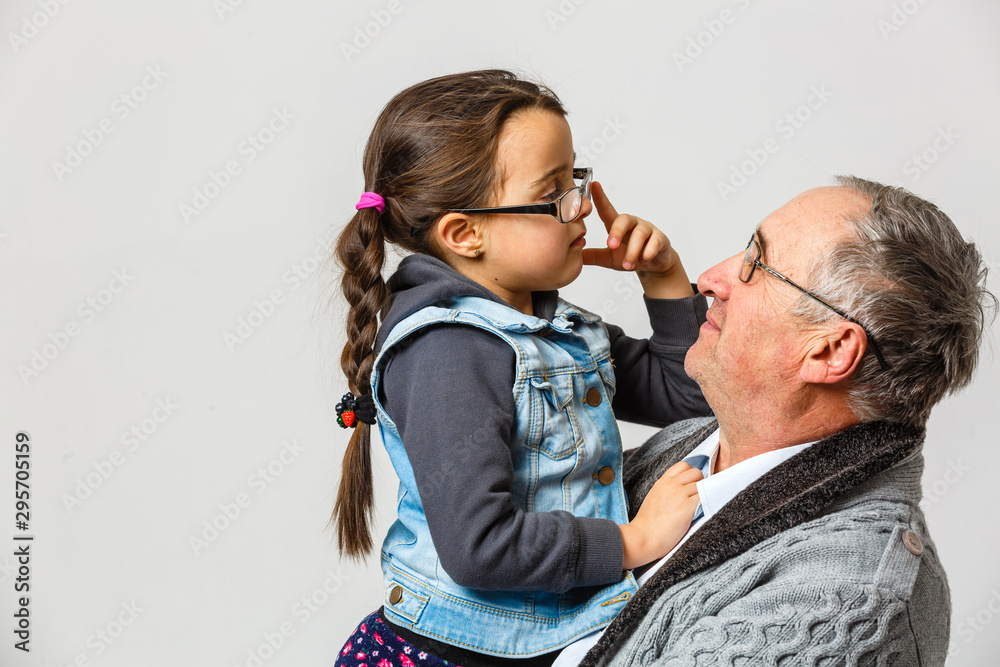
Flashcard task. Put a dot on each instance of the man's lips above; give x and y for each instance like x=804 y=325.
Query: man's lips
x=710 y=321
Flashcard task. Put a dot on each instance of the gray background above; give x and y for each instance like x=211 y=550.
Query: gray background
x=892 y=78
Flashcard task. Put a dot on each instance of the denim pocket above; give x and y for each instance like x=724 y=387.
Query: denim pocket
x=559 y=432
x=402 y=599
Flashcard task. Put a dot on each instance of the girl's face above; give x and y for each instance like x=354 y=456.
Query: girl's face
x=530 y=252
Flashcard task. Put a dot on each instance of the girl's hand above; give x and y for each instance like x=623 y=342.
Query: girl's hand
x=664 y=517
x=634 y=243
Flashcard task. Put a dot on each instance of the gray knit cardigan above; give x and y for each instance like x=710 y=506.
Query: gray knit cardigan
x=806 y=566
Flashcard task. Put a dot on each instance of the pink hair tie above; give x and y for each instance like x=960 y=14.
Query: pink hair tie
x=370 y=199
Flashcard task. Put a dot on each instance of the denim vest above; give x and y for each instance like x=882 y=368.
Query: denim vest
x=564 y=449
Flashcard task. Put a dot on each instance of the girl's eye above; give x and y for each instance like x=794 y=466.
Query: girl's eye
x=554 y=195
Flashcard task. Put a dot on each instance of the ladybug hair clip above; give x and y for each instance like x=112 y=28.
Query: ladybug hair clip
x=353 y=409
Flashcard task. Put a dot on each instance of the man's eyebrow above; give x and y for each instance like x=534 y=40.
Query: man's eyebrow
x=762 y=243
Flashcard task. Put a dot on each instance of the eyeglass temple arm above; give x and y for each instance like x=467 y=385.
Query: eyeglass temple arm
x=871 y=339
x=549 y=208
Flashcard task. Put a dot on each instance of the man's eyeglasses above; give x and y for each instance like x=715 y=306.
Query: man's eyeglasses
x=565 y=208
x=751 y=260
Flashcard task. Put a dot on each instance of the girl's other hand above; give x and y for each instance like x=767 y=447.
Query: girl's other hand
x=664 y=517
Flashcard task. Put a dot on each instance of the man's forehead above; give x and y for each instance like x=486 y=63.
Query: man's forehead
x=813 y=219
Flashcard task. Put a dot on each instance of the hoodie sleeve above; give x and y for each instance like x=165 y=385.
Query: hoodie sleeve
x=651 y=385
x=449 y=393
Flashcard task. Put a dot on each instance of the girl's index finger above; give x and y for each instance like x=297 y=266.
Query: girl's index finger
x=604 y=207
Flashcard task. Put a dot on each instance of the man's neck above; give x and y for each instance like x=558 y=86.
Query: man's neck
x=746 y=435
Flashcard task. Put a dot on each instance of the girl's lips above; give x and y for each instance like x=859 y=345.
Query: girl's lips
x=580 y=241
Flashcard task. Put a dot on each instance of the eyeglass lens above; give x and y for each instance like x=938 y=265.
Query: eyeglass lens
x=570 y=204
x=749 y=261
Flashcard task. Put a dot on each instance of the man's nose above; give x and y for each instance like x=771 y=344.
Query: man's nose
x=718 y=281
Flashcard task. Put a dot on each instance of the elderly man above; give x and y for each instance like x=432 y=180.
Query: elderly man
x=853 y=310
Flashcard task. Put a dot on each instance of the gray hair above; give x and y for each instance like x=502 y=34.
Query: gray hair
x=918 y=288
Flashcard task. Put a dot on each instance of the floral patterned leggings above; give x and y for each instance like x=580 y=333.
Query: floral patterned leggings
x=373 y=644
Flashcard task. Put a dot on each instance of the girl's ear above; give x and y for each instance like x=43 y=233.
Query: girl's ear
x=459 y=234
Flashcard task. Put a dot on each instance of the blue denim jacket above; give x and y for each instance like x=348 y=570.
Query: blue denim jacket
x=564 y=437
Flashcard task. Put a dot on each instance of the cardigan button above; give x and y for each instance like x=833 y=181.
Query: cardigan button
x=395 y=595
x=912 y=542
x=606 y=475
x=594 y=397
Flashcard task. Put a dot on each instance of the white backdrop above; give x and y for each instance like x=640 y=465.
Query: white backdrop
x=171 y=173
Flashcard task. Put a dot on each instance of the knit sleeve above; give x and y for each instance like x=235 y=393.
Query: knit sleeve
x=803 y=623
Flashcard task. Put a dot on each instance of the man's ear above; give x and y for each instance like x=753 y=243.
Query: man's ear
x=460 y=234
x=834 y=356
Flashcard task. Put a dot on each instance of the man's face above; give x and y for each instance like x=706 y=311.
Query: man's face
x=751 y=348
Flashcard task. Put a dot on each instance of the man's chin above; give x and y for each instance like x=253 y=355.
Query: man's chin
x=691 y=363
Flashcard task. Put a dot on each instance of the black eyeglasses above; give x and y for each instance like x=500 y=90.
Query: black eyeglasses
x=566 y=207
x=751 y=260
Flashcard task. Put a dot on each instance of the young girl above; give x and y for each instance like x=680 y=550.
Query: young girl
x=495 y=399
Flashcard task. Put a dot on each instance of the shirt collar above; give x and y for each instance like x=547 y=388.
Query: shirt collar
x=717 y=489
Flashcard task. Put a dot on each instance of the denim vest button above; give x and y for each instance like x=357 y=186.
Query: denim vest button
x=594 y=397
x=605 y=475
x=395 y=595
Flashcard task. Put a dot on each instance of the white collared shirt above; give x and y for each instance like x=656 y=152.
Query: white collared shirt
x=714 y=491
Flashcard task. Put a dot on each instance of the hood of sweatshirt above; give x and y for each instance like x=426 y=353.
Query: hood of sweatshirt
x=422 y=280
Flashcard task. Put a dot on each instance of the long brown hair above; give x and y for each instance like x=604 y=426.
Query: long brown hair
x=433 y=147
